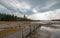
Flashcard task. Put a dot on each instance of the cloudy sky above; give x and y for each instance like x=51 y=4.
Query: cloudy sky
x=34 y=9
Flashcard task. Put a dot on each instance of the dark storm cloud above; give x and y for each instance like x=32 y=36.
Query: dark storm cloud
x=56 y=6
x=27 y=6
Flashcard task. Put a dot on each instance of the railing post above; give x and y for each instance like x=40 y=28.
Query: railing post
x=22 y=33
x=30 y=28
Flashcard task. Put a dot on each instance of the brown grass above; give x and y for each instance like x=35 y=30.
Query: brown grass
x=9 y=22
x=9 y=31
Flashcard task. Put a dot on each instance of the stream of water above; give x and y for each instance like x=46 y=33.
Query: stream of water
x=48 y=32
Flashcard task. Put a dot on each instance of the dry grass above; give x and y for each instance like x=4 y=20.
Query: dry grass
x=9 y=31
x=9 y=22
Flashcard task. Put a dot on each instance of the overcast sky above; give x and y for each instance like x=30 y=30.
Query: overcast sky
x=35 y=9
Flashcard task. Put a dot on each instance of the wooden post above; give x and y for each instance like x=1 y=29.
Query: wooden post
x=22 y=33
x=30 y=28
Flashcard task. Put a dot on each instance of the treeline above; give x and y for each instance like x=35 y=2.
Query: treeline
x=56 y=20
x=7 y=17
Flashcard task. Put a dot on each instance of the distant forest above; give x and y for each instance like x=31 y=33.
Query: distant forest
x=8 y=17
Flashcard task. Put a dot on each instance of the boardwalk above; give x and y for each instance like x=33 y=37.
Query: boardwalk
x=27 y=30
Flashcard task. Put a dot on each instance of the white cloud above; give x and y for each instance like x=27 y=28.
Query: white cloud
x=4 y=10
x=18 y=14
x=50 y=3
x=47 y=5
x=24 y=6
x=2 y=7
x=39 y=16
x=16 y=5
x=55 y=14
x=34 y=10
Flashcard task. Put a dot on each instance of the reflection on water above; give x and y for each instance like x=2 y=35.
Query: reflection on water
x=48 y=32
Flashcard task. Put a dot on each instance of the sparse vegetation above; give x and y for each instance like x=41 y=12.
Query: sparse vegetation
x=9 y=31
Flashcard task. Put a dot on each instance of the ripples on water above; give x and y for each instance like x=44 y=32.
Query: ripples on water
x=48 y=32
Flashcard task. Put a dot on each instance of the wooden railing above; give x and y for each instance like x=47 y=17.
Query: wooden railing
x=20 y=30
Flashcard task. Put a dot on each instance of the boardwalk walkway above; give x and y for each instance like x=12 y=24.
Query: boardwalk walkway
x=30 y=30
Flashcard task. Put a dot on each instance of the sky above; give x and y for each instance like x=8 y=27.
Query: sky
x=34 y=9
